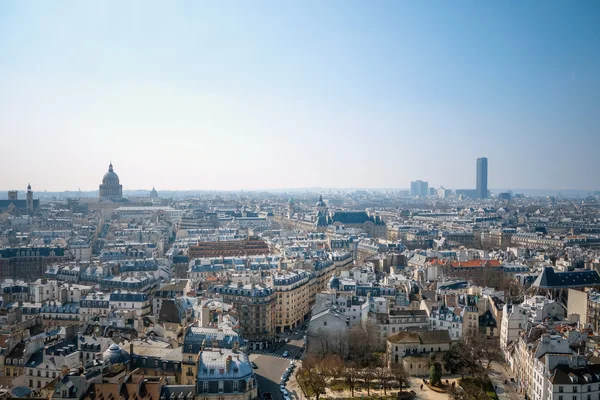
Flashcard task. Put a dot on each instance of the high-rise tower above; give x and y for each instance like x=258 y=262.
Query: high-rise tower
x=482 y=178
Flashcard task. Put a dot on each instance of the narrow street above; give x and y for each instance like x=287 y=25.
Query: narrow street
x=499 y=374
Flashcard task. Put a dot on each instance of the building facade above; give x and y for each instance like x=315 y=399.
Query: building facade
x=293 y=294
x=255 y=305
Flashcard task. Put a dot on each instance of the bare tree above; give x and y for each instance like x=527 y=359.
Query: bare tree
x=311 y=382
x=491 y=352
x=470 y=351
x=368 y=375
x=363 y=341
x=399 y=374
x=351 y=376
x=383 y=374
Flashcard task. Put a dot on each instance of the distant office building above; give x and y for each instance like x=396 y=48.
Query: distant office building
x=471 y=193
x=419 y=188
x=482 y=177
x=432 y=191
x=443 y=193
x=504 y=196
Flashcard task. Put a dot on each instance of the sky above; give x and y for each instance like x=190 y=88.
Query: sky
x=278 y=94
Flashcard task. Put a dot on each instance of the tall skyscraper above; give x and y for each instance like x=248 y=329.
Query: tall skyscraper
x=419 y=188
x=482 y=178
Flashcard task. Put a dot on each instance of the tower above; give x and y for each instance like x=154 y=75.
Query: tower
x=482 y=178
x=290 y=209
x=29 y=200
x=321 y=207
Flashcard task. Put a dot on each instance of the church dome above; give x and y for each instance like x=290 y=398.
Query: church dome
x=115 y=355
x=153 y=193
x=321 y=203
x=110 y=177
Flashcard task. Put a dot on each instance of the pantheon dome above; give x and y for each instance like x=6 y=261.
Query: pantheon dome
x=110 y=188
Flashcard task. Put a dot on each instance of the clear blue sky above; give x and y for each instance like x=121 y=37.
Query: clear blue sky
x=253 y=94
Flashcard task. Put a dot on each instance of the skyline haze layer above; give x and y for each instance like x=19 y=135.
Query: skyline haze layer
x=270 y=95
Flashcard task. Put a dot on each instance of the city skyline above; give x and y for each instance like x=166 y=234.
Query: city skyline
x=413 y=189
x=268 y=95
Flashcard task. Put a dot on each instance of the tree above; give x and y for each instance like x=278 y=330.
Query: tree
x=328 y=367
x=311 y=382
x=363 y=341
x=491 y=352
x=383 y=375
x=368 y=375
x=435 y=374
x=474 y=349
x=470 y=352
x=431 y=359
x=332 y=366
x=452 y=361
x=399 y=374
x=351 y=376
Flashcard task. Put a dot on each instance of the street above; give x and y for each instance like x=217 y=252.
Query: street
x=271 y=365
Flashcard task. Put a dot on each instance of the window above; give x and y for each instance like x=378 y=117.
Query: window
x=325 y=323
x=574 y=389
x=205 y=387
x=235 y=386
x=560 y=389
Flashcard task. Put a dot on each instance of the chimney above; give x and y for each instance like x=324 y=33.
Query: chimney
x=131 y=349
x=228 y=363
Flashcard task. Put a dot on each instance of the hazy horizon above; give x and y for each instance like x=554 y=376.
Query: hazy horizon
x=312 y=94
